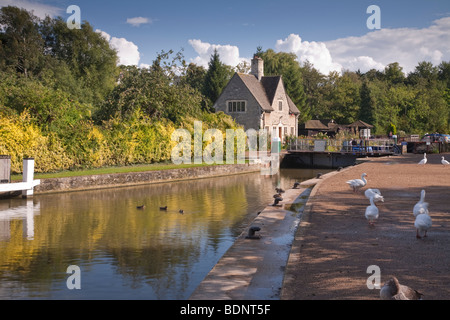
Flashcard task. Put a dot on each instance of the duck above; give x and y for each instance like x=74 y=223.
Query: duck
x=277 y=200
x=444 y=162
x=372 y=212
x=424 y=160
x=279 y=190
x=163 y=208
x=423 y=223
x=375 y=193
x=141 y=207
x=181 y=211
x=421 y=206
x=296 y=184
x=393 y=290
x=356 y=184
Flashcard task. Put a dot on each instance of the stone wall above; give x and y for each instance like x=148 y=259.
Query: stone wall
x=136 y=178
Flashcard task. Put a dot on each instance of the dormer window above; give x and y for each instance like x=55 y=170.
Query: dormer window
x=236 y=106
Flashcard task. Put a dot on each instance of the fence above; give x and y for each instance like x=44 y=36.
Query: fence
x=343 y=146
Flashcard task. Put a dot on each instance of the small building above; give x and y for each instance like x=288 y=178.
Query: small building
x=258 y=102
x=313 y=127
x=362 y=128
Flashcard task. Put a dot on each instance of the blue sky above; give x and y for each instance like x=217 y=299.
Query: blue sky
x=330 y=34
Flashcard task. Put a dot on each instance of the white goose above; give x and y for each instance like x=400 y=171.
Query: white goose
x=356 y=184
x=444 y=162
x=375 y=193
x=372 y=212
x=423 y=223
x=393 y=290
x=424 y=160
x=421 y=206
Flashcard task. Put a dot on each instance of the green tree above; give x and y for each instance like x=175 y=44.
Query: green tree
x=216 y=78
x=424 y=73
x=394 y=74
x=87 y=54
x=313 y=84
x=153 y=91
x=444 y=73
x=20 y=41
x=344 y=97
x=367 y=108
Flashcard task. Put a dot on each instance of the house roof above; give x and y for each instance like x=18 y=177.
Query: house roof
x=360 y=124
x=257 y=89
x=264 y=91
x=314 y=125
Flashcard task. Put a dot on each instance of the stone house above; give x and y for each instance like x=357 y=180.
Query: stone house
x=259 y=102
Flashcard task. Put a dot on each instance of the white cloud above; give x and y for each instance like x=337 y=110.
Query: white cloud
x=137 y=21
x=127 y=51
x=376 y=49
x=315 y=52
x=39 y=9
x=229 y=54
x=407 y=46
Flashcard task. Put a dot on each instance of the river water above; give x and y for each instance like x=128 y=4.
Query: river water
x=120 y=251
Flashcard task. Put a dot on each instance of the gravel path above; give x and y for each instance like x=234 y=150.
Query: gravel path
x=334 y=244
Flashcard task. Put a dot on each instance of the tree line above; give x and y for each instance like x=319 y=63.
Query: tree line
x=64 y=88
x=65 y=100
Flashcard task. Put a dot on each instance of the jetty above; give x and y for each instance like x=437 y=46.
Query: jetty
x=28 y=183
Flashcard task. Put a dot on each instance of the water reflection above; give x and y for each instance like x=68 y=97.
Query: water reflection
x=125 y=252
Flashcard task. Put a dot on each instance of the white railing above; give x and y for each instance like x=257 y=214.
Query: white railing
x=27 y=185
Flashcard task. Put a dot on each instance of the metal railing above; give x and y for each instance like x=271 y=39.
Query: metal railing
x=343 y=146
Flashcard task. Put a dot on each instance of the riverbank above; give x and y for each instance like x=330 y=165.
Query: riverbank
x=253 y=268
x=114 y=180
x=334 y=245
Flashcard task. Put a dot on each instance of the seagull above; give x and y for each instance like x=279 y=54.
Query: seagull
x=372 y=212
x=444 y=162
x=375 y=193
x=356 y=184
x=393 y=290
x=421 y=206
x=422 y=224
x=424 y=160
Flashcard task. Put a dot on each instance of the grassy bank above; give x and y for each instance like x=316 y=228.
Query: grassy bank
x=109 y=170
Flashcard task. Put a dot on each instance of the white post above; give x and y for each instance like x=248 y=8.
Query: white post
x=28 y=175
x=28 y=225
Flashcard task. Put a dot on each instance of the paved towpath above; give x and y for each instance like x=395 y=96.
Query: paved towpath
x=334 y=245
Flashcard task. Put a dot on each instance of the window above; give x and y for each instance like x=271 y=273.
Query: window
x=236 y=106
x=280 y=105
x=292 y=131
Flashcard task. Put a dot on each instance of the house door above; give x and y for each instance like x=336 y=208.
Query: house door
x=280 y=133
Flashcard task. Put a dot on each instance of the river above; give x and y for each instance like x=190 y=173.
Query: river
x=120 y=251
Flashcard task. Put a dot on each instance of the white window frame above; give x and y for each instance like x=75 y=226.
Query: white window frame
x=235 y=106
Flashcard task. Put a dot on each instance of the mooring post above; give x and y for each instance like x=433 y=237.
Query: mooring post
x=28 y=175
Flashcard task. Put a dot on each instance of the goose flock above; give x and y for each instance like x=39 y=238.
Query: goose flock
x=392 y=289
x=422 y=221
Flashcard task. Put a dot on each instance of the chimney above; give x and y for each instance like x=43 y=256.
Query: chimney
x=257 y=67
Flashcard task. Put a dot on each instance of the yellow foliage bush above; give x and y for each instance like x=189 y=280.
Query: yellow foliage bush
x=19 y=138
